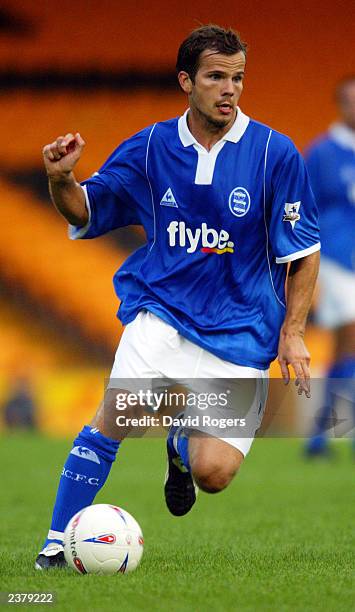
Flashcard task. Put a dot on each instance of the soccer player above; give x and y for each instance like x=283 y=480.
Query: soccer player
x=331 y=165
x=226 y=205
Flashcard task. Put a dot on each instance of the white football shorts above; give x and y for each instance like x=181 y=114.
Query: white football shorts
x=150 y=348
x=336 y=305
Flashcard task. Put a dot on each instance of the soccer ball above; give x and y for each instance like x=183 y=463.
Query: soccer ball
x=103 y=539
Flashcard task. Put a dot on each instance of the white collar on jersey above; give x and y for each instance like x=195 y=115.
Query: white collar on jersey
x=343 y=135
x=233 y=135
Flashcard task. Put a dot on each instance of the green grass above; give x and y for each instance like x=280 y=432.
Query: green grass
x=281 y=538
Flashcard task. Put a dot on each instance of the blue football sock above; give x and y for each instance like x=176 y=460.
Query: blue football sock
x=179 y=442
x=340 y=382
x=84 y=474
x=182 y=446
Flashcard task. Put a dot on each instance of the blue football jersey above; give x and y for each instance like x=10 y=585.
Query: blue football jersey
x=331 y=165
x=221 y=226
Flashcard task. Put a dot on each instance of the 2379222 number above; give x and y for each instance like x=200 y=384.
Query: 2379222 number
x=29 y=598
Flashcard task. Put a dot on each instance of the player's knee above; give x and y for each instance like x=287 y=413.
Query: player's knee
x=212 y=477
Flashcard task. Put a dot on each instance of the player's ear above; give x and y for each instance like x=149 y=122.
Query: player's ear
x=185 y=82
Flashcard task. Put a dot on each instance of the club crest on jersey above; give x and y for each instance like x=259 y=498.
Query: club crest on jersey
x=291 y=213
x=204 y=238
x=239 y=201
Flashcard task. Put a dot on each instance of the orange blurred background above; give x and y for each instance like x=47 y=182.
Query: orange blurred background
x=107 y=70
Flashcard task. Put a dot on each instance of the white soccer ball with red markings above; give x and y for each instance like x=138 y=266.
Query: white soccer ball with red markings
x=103 y=539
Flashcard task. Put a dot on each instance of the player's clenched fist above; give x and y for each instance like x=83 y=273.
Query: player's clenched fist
x=66 y=193
x=61 y=155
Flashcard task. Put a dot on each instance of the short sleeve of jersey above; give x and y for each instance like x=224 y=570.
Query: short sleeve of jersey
x=293 y=229
x=114 y=192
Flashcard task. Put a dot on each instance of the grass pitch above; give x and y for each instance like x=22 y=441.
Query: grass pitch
x=280 y=538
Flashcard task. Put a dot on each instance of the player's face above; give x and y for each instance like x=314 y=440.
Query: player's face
x=217 y=87
x=347 y=104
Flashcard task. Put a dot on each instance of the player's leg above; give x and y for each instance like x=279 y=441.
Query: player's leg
x=94 y=450
x=84 y=473
x=318 y=444
x=339 y=384
x=210 y=461
x=214 y=462
x=336 y=313
x=197 y=462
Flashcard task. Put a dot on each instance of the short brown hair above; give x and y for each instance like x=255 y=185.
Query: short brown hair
x=211 y=37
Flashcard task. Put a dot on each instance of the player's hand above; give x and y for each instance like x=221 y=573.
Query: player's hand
x=293 y=351
x=61 y=155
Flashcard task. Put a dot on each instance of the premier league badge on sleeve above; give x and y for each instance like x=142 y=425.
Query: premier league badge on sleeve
x=291 y=213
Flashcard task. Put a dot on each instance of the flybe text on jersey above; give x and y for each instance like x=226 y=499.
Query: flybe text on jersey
x=206 y=239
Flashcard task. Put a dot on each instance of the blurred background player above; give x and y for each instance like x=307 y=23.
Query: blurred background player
x=331 y=164
x=20 y=406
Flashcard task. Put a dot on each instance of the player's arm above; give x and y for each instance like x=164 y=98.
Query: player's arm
x=66 y=193
x=292 y=349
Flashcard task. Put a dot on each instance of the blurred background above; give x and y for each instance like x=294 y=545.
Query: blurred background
x=107 y=70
